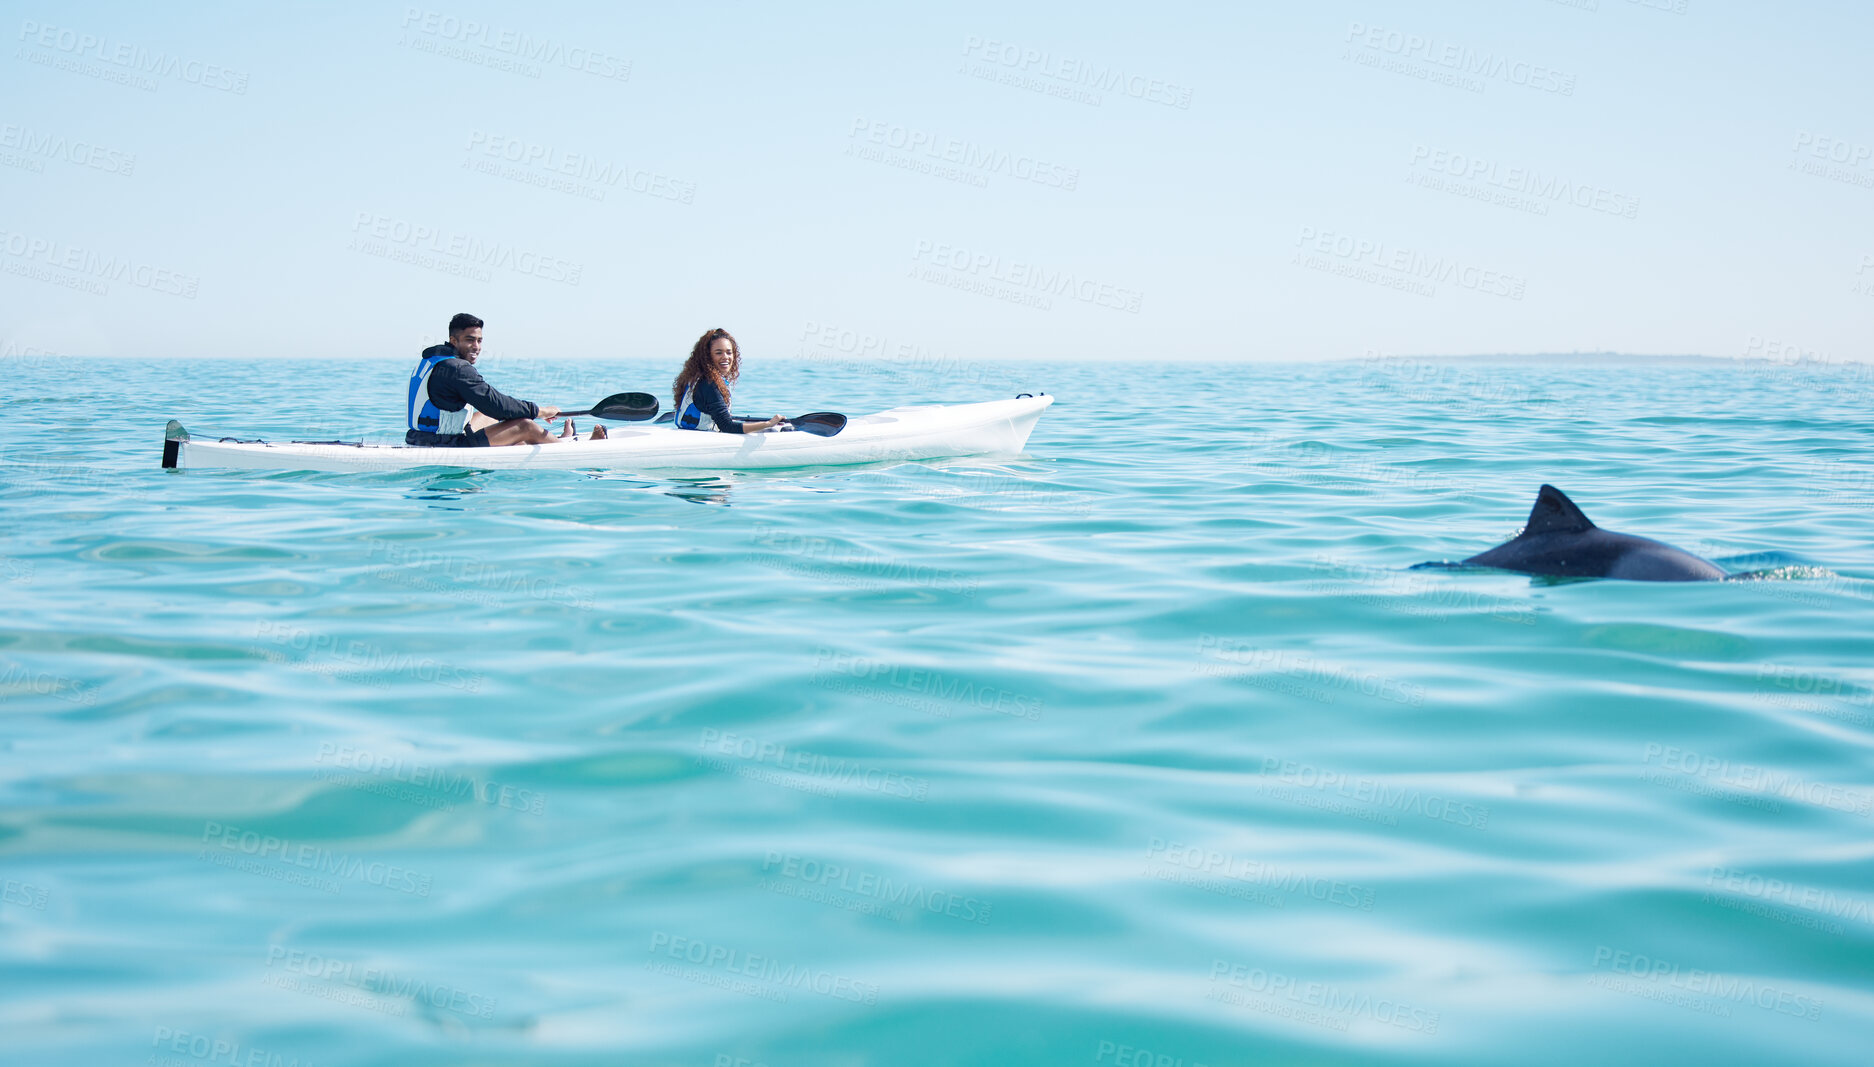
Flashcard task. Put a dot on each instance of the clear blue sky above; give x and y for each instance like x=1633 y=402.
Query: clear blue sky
x=1227 y=181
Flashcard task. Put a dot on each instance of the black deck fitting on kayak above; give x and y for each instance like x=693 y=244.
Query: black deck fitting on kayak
x=173 y=436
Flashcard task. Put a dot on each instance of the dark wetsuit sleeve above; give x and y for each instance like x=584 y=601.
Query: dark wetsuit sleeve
x=464 y=382
x=709 y=398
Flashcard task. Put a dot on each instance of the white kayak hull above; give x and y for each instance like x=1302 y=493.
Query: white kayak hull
x=932 y=431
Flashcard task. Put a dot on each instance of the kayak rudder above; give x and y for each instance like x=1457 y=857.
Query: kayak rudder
x=173 y=436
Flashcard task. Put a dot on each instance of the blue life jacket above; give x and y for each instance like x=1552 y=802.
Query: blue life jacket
x=691 y=417
x=424 y=414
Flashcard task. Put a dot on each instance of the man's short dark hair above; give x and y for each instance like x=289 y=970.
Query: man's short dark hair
x=464 y=321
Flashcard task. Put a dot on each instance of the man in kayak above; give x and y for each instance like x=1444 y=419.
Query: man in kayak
x=446 y=385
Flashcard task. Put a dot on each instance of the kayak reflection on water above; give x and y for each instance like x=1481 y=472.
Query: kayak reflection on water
x=701 y=490
x=701 y=390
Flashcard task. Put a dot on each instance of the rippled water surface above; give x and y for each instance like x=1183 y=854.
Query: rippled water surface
x=1144 y=747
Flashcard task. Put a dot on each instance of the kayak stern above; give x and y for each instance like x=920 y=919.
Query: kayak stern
x=173 y=436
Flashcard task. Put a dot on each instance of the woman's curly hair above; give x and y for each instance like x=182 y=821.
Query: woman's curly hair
x=700 y=366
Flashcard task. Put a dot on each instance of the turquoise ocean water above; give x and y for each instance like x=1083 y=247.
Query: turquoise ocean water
x=1144 y=748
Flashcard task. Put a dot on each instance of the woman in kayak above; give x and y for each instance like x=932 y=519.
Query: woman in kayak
x=702 y=387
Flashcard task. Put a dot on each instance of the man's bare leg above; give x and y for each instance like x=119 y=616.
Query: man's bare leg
x=518 y=432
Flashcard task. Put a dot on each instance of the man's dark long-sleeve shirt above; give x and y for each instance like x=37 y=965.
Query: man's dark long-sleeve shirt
x=454 y=384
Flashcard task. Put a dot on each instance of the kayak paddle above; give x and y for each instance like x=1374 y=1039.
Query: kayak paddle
x=820 y=423
x=623 y=407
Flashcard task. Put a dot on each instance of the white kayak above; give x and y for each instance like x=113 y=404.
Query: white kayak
x=929 y=431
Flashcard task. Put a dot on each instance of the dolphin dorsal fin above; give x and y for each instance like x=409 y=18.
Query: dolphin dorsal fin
x=1555 y=513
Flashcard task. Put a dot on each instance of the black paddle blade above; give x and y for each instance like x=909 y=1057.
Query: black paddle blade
x=820 y=423
x=626 y=407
